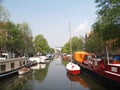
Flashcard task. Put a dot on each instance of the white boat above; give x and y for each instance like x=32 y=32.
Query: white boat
x=71 y=67
x=38 y=59
x=23 y=70
x=34 y=59
x=9 y=67
x=42 y=59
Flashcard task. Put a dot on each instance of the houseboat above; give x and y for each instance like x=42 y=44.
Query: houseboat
x=104 y=68
x=9 y=67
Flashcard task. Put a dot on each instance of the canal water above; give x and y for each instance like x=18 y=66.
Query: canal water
x=50 y=76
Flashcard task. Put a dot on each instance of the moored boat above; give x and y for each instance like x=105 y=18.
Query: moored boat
x=23 y=70
x=73 y=68
x=38 y=59
x=103 y=69
x=9 y=67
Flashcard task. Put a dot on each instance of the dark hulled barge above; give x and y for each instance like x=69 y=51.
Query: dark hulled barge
x=103 y=69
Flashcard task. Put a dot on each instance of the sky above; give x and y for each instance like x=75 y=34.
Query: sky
x=51 y=17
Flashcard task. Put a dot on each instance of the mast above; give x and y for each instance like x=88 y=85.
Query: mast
x=70 y=42
x=107 y=54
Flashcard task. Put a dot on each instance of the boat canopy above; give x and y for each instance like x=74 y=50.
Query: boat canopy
x=80 y=56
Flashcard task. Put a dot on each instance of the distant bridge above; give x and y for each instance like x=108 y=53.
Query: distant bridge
x=58 y=50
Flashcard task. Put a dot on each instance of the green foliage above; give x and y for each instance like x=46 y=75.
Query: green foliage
x=66 y=48
x=51 y=50
x=16 y=38
x=41 y=44
x=27 y=38
x=94 y=43
x=76 y=45
x=108 y=23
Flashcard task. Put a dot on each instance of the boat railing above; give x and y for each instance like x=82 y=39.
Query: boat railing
x=97 y=59
x=114 y=64
x=13 y=59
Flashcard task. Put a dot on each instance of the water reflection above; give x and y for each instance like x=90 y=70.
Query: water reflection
x=49 y=76
x=26 y=81
x=40 y=72
x=16 y=82
x=85 y=81
x=77 y=79
x=38 y=66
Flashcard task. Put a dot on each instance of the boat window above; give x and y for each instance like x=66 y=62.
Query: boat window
x=111 y=59
x=23 y=62
x=116 y=59
x=89 y=58
x=12 y=65
x=93 y=56
x=27 y=61
x=85 y=57
x=98 y=56
x=3 y=67
x=20 y=63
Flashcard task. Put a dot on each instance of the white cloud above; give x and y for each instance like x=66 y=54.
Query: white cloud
x=83 y=26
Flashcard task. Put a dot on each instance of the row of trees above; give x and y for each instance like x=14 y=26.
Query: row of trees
x=41 y=45
x=107 y=26
x=106 y=29
x=17 y=38
x=77 y=44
